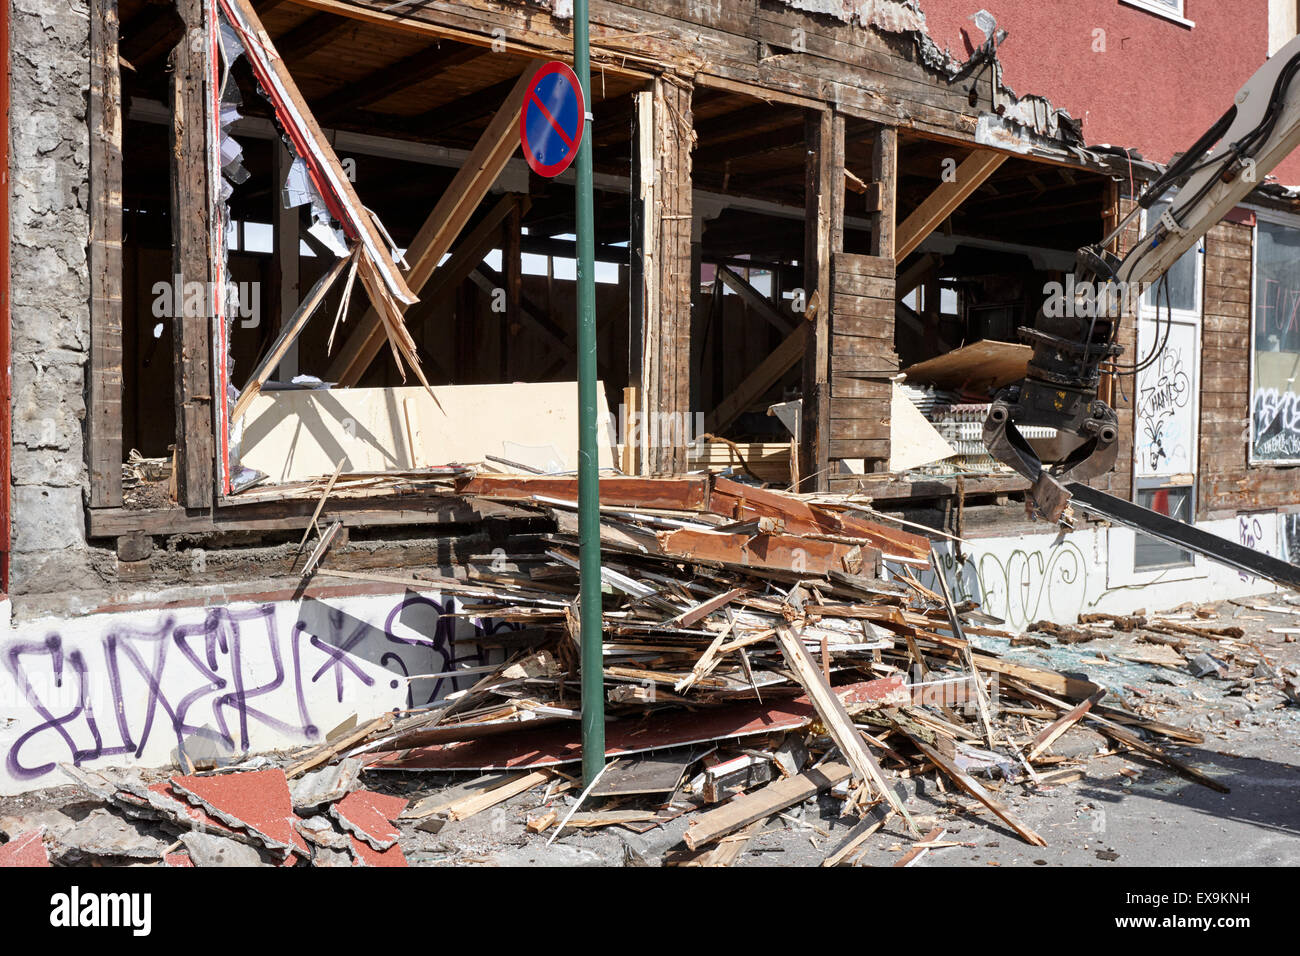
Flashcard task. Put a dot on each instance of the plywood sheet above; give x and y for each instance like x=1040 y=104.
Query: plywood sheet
x=980 y=367
x=913 y=441
x=302 y=434
x=530 y=749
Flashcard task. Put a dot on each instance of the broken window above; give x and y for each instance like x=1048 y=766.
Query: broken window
x=363 y=248
x=1275 y=392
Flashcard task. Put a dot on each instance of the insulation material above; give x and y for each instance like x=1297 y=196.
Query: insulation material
x=297 y=435
x=913 y=441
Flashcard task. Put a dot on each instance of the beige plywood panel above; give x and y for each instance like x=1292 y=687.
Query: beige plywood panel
x=302 y=434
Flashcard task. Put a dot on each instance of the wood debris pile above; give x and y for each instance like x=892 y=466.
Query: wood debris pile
x=760 y=648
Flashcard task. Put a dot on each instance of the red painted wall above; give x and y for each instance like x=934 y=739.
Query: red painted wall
x=1157 y=86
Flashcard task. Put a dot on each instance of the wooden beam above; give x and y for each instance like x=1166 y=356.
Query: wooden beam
x=471 y=250
x=754 y=144
x=419 y=67
x=311 y=35
x=823 y=238
x=285 y=261
x=662 y=244
x=755 y=300
x=945 y=199
x=449 y=216
x=916 y=274
x=884 y=171
x=467 y=109
x=105 y=425
x=191 y=334
x=512 y=270
x=756 y=384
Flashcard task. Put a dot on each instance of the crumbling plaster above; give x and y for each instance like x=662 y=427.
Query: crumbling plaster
x=50 y=291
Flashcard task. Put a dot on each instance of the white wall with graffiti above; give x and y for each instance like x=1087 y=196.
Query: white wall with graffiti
x=1056 y=577
x=131 y=687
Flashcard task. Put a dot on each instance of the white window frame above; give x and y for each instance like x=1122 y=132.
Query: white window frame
x=1291 y=221
x=1194 y=317
x=1163 y=10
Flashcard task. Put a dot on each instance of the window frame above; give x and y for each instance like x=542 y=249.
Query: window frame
x=1275 y=217
x=1163 y=10
x=1194 y=317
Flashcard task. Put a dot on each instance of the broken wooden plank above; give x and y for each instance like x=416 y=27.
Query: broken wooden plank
x=868 y=825
x=462 y=196
x=437 y=802
x=760 y=804
x=837 y=721
x=476 y=803
x=921 y=848
x=702 y=610
x=972 y=787
x=329 y=749
x=1049 y=734
x=288 y=335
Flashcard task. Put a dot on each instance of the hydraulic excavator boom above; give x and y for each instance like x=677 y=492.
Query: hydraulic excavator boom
x=1074 y=337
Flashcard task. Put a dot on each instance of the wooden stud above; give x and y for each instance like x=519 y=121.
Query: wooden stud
x=662 y=246
x=884 y=170
x=823 y=238
x=191 y=334
x=285 y=261
x=105 y=425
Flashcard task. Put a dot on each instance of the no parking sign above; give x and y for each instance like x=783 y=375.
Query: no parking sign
x=552 y=119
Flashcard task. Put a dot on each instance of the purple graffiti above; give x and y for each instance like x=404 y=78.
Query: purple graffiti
x=215 y=678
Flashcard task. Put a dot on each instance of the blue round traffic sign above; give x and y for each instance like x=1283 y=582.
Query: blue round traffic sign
x=552 y=119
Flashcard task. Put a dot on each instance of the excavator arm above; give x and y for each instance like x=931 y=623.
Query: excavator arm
x=1074 y=335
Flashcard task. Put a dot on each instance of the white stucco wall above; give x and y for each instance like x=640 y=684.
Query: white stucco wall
x=127 y=687
x=1029 y=578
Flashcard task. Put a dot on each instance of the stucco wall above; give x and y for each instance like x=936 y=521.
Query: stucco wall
x=50 y=289
x=1144 y=81
x=132 y=687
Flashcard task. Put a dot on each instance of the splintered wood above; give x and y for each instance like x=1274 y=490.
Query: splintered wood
x=761 y=650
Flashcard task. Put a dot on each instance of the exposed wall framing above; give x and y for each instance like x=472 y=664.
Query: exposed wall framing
x=823 y=240
x=661 y=243
x=191 y=260
x=104 y=444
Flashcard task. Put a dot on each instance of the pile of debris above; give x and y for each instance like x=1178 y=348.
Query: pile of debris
x=242 y=817
x=1191 y=640
x=760 y=648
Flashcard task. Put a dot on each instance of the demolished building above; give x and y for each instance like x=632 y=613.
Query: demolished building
x=239 y=474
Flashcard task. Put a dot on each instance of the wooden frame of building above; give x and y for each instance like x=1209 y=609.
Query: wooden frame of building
x=840 y=161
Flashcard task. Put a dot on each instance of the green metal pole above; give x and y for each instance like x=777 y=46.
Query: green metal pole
x=593 y=665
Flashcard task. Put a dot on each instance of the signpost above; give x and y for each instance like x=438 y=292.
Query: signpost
x=552 y=122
